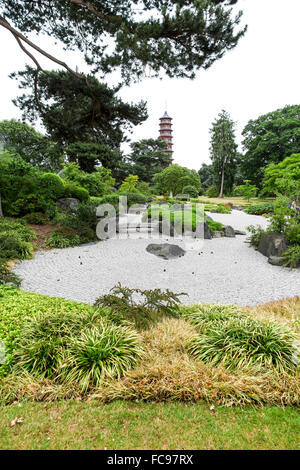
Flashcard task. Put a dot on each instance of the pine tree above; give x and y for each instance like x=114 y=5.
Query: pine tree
x=223 y=151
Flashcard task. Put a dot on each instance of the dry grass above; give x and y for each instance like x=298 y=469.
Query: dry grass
x=286 y=312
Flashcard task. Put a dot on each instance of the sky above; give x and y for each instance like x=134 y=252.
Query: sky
x=259 y=76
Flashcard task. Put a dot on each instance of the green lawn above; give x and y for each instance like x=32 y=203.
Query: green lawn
x=123 y=425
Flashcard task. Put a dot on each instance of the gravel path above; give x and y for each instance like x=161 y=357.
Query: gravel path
x=227 y=270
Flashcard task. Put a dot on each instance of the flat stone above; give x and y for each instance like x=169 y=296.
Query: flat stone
x=240 y=232
x=165 y=250
x=276 y=260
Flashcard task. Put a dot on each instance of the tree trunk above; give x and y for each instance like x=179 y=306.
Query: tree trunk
x=222 y=182
x=1 y=212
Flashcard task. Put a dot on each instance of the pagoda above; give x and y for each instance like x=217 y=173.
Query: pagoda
x=166 y=133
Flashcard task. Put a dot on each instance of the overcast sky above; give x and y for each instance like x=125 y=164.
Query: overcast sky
x=260 y=75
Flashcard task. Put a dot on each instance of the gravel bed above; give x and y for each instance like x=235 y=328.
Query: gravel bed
x=224 y=270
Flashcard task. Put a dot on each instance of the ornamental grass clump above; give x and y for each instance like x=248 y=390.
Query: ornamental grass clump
x=98 y=353
x=40 y=347
x=247 y=342
x=205 y=316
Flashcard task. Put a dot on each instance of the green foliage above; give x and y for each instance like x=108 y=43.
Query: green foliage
x=174 y=178
x=222 y=209
x=191 y=191
x=223 y=152
x=139 y=307
x=291 y=257
x=144 y=188
x=36 y=218
x=207 y=176
x=237 y=340
x=260 y=208
x=283 y=178
x=248 y=190
x=72 y=189
x=33 y=147
x=99 y=353
x=52 y=186
x=96 y=184
x=6 y=276
x=206 y=316
x=148 y=157
x=59 y=239
x=15 y=239
x=270 y=139
x=256 y=233
x=129 y=184
x=179 y=39
x=17 y=308
x=212 y=191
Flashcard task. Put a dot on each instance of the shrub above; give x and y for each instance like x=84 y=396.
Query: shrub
x=98 y=353
x=6 y=276
x=74 y=190
x=212 y=191
x=291 y=257
x=52 y=186
x=37 y=218
x=206 y=316
x=191 y=191
x=292 y=233
x=256 y=233
x=246 y=342
x=13 y=247
x=135 y=198
x=222 y=209
x=59 y=239
x=260 y=208
x=151 y=305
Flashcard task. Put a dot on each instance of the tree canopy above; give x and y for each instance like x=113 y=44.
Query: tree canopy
x=283 y=178
x=134 y=36
x=148 y=157
x=175 y=178
x=223 y=151
x=270 y=139
x=35 y=148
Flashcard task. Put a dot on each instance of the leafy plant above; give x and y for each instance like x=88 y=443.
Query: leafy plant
x=256 y=233
x=98 y=353
x=149 y=306
x=37 y=218
x=246 y=342
x=59 y=239
x=291 y=257
x=191 y=191
x=260 y=208
x=6 y=276
x=206 y=316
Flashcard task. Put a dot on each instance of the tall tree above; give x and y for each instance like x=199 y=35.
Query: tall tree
x=223 y=151
x=148 y=157
x=270 y=139
x=207 y=175
x=86 y=118
x=175 y=36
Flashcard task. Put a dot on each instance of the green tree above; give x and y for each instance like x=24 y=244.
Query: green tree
x=174 y=178
x=223 y=151
x=148 y=157
x=177 y=36
x=97 y=183
x=270 y=139
x=87 y=119
x=248 y=190
x=283 y=178
x=207 y=176
x=129 y=184
x=32 y=146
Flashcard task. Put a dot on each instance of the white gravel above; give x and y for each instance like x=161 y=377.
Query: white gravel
x=227 y=270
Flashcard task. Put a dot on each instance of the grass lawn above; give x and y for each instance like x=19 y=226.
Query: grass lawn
x=236 y=201
x=122 y=425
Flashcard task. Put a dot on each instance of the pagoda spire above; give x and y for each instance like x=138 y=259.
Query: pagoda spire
x=166 y=133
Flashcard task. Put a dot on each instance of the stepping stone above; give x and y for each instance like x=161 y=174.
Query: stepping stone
x=165 y=250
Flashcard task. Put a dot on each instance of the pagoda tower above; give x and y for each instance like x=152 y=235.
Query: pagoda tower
x=166 y=133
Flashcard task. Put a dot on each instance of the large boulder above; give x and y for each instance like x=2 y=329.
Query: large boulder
x=272 y=244
x=203 y=230
x=68 y=204
x=228 y=231
x=165 y=250
x=240 y=232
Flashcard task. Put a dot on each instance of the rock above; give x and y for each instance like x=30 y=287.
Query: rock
x=217 y=234
x=68 y=204
x=228 y=231
x=213 y=211
x=166 y=228
x=238 y=208
x=240 y=232
x=229 y=204
x=272 y=244
x=276 y=260
x=165 y=250
x=203 y=230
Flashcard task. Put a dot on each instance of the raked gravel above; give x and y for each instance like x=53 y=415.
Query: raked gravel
x=221 y=270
